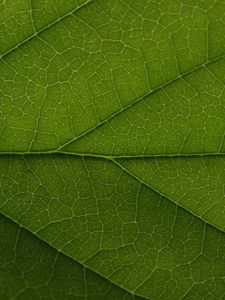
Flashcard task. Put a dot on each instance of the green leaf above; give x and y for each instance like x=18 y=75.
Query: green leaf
x=196 y=184
x=22 y=20
x=183 y=117
x=100 y=59
x=112 y=142
x=95 y=212
x=31 y=269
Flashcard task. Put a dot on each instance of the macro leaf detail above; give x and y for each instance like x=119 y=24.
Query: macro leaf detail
x=112 y=149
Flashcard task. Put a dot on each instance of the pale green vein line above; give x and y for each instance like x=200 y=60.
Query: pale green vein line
x=112 y=156
x=164 y=195
x=44 y=28
x=134 y=156
x=32 y=16
x=65 y=254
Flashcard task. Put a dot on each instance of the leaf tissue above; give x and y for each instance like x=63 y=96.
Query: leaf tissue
x=112 y=149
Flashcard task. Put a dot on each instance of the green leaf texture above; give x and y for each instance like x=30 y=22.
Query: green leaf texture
x=112 y=149
x=31 y=269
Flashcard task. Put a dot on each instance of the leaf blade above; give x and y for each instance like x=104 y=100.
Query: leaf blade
x=31 y=269
x=53 y=124
x=112 y=248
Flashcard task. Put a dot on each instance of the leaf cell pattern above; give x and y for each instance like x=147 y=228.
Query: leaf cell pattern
x=112 y=149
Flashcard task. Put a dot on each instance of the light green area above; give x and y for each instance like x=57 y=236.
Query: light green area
x=21 y=20
x=115 y=96
x=30 y=269
x=47 y=13
x=15 y=23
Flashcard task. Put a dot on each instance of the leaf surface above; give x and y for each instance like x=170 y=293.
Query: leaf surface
x=22 y=20
x=98 y=214
x=112 y=126
x=31 y=269
x=98 y=60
